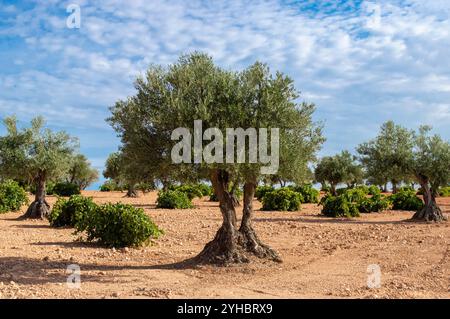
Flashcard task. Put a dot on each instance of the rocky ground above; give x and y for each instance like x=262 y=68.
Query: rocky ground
x=322 y=257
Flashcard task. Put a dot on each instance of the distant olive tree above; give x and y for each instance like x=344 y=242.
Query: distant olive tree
x=112 y=168
x=384 y=158
x=125 y=170
x=80 y=172
x=340 y=168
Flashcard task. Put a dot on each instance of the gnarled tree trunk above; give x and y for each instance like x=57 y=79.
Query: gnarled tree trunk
x=249 y=239
x=39 y=208
x=333 y=189
x=223 y=249
x=131 y=191
x=431 y=211
x=166 y=183
x=394 y=187
x=232 y=245
x=234 y=197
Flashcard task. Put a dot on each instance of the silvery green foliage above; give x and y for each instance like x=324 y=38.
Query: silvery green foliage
x=30 y=152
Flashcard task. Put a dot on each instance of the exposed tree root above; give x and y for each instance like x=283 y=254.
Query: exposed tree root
x=252 y=244
x=238 y=247
x=39 y=209
x=232 y=245
x=430 y=213
x=132 y=193
x=223 y=249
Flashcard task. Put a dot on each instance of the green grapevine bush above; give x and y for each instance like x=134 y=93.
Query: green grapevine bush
x=376 y=203
x=363 y=188
x=192 y=191
x=109 y=186
x=173 y=200
x=118 y=225
x=282 y=199
x=374 y=190
x=205 y=189
x=49 y=188
x=444 y=191
x=406 y=199
x=12 y=196
x=263 y=190
x=70 y=212
x=66 y=189
x=354 y=195
x=338 y=206
x=406 y=189
x=309 y=194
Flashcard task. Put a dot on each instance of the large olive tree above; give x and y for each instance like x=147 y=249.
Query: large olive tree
x=37 y=155
x=430 y=165
x=195 y=88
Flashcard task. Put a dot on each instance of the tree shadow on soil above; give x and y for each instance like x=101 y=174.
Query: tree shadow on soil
x=30 y=271
x=189 y=263
x=15 y=219
x=147 y=206
x=31 y=226
x=69 y=244
x=331 y=220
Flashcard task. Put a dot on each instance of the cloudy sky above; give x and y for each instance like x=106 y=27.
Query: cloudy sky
x=360 y=62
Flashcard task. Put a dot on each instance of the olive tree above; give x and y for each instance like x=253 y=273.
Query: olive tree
x=430 y=165
x=130 y=173
x=145 y=145
x=194 y=88
x=80 y=172
x=35 y=154
x=127 y=169
x=408 y=155
x=112 y=168
x=295 y=169
x=384 y=157
x=340 y=168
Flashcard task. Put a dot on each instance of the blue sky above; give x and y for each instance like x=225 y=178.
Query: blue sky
x=360 y=62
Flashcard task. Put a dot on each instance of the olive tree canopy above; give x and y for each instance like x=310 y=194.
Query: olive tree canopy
x=384 y=157
x=406 y=154
x=194 y=88
x=430 y=165
x=340 y=168
x=80 y=172
x=35 y=154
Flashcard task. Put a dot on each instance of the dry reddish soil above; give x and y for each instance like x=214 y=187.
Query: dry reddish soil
x=323 y=257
